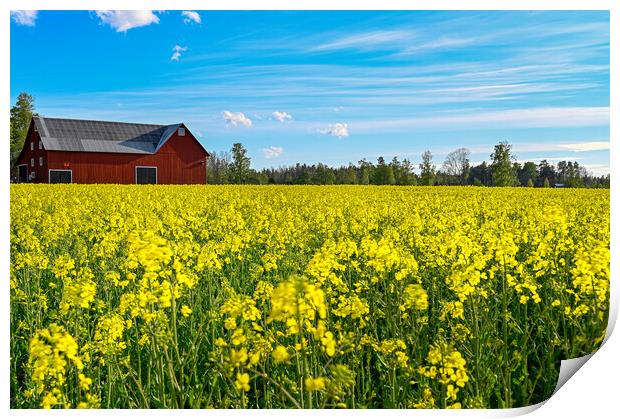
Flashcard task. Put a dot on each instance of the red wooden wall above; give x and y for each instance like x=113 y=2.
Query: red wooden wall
x=180 y=161
x=27 y=154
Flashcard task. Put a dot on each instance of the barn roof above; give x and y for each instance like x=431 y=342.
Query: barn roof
x=59 y=134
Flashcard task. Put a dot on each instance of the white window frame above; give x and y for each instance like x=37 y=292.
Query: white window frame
x=145 y=167
x=31 y=145
x=32 y=162
x=181 y=132
x=40 y=161
x=40 y=145
x=49 y=174
x=33 y=175
x=27 y=175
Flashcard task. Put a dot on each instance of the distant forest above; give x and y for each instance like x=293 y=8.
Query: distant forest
x=502 y=170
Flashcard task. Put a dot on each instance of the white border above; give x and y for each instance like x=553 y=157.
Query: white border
x=592 y=393
x=145 y=167
x=49 y=174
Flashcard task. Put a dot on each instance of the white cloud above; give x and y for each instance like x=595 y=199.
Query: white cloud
x=236 y=118
x=24 y=17
x=176 y=52
x=597 y=169
x=550 y=159
x=273 y=151
x=365 y=40
x=123 y=20
x=337 y=130
x=590 y=146
x=542 y=146
x=441 y=43
x=522 y=118
x=191 y=16
x=282 y=116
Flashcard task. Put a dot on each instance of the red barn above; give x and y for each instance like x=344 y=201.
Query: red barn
x=80 y=151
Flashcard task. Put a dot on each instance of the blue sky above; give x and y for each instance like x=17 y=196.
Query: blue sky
x=333 y=86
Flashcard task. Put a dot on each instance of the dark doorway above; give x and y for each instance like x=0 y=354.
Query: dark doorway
x=22 y=173
x=61 y=176
x=146 y=175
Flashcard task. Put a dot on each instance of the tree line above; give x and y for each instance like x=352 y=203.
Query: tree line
x=234 y=167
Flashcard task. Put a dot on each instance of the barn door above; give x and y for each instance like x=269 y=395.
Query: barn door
x=22 y=173
x=61 y=176
x=146 y=175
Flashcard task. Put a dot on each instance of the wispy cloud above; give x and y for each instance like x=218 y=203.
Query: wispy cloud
x=439 y=44
x=339 y=130
x=123 y=20
x=282 y=116
x=176 y=52
x=511 y=118
x=550 y=159
x=590 y=146
x=191 y=16
x=24 y=17
x=236 y=118
x=597 y=169
x=545 y=146
x=364 y=41
x=272 y=152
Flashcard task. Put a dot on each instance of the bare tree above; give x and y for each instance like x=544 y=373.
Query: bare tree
x=457 y=165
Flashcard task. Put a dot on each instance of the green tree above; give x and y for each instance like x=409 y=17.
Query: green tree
x=427 y=168
x=530 y=184
x=263 y=179
x=350 y=175
x=21 y=114
x=240 y=166
x=546 y=171
x=365 y=176
x=218 y=168
x=503 y=172
x=380 y=173
x=365 y=171
x=529 y=171
x=390 y=179
x=546 y=183
x=330 y=177
x=406 y=176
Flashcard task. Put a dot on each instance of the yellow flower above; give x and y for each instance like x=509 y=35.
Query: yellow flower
x=280 y=354
x=220 y=343
x=186 y=311
x=315 y=384
x=415 y=298
x=329 y=343
x=243 y=382
x=49 y=401
x=84 y=382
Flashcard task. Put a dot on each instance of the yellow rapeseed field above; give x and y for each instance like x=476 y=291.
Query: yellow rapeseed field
x=301 y=296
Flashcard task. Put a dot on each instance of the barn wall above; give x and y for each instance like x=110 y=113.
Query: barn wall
x=27 y=154
x=180 y=161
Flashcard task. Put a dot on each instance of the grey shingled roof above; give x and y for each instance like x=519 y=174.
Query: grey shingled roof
x=102 y=136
